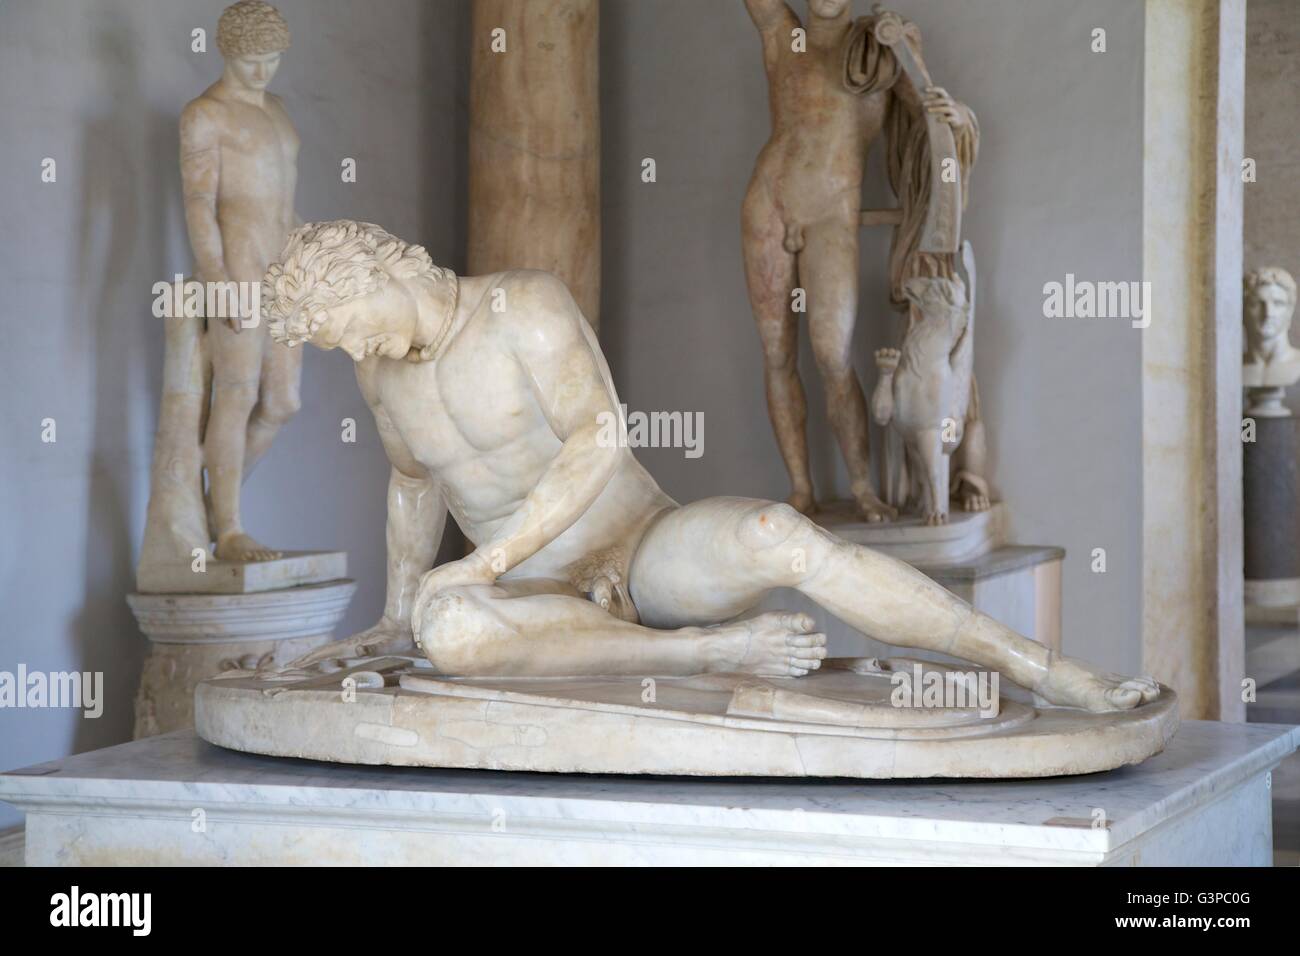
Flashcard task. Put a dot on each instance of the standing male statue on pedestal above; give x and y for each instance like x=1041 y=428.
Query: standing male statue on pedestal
x=227 y=389
x=834 y=87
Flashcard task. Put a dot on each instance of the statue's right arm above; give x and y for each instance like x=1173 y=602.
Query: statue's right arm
x=771 y=15
x=200 y=177
x=417 y=516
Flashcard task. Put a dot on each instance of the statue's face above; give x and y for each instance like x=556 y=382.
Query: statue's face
x=829 y=9
x=1269 y=311
x=254 y=71
x=381 y=323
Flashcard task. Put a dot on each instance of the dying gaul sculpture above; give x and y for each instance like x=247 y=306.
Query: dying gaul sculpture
x=490 y=394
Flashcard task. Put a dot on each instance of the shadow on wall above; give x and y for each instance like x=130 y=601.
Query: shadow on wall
x=126 y=181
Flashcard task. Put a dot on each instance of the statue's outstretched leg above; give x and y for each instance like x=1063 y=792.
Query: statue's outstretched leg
x=714 y=558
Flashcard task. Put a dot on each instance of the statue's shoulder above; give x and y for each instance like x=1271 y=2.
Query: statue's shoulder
x=535 y=289
x=206 y=108
x=538 y=308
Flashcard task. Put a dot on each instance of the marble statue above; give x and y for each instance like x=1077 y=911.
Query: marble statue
x=490 y=394
x=1270 y=363
x=226 y=390
x=924 y=391
x=831 y=96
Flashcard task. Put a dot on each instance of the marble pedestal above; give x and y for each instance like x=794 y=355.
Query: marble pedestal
x=177 y=800
x=965 y=537
x=195 y=636
x=1271 y=520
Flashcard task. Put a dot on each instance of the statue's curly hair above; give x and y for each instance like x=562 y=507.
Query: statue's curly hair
x=251 y=28
x=325 y=263
x=1256 y=279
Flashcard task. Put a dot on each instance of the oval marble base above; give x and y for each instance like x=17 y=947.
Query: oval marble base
x=196 y=636
x=836 y=722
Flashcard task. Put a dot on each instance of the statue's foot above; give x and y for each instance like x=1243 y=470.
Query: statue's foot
x=237 y=546
x=975 y=502
x=935 y=518
x=872 y=510
x=1074 y=683
x=802 y=502
x=775 y=644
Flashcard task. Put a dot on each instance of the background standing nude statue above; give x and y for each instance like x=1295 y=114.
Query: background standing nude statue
x=831 y=97
x=582 y=565
x=227 y=390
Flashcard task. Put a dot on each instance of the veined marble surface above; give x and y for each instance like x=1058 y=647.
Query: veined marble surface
x=164 y=778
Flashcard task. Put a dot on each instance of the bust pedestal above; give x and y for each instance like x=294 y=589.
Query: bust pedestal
x=1271 y=519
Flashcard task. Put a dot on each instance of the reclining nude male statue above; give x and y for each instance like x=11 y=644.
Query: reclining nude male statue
x=491 y=396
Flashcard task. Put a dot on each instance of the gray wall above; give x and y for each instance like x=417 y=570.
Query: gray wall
x=1057 y=189
x=99 y=86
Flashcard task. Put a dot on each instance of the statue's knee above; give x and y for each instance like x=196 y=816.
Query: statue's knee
x=769 y=525
x=453 y=630
x=279 y=406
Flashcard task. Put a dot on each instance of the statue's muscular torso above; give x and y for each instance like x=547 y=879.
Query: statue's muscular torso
x=812 y=166
x=255 y=176
x=473 y=421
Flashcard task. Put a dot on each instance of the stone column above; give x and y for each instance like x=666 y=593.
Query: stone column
x=534 y=142
x=1193 y=617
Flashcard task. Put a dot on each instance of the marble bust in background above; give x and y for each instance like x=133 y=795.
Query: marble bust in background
x=1270 y=363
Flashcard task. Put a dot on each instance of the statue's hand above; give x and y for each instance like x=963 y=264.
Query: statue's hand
x=474 y=568
x=234 y=321
x=936 y=101
x=386 y=637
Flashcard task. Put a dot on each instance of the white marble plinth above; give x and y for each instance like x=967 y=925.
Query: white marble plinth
x=844 y=720
x=177 y=800
x=195 y=636
x=966 y=536
x=292 y=569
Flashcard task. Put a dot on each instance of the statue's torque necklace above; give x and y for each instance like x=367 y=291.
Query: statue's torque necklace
x=444 y=286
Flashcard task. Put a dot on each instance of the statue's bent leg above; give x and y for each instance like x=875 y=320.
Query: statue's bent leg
x=770 y=277
x=278 y=400
x=527 y=628
x=714 y=558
